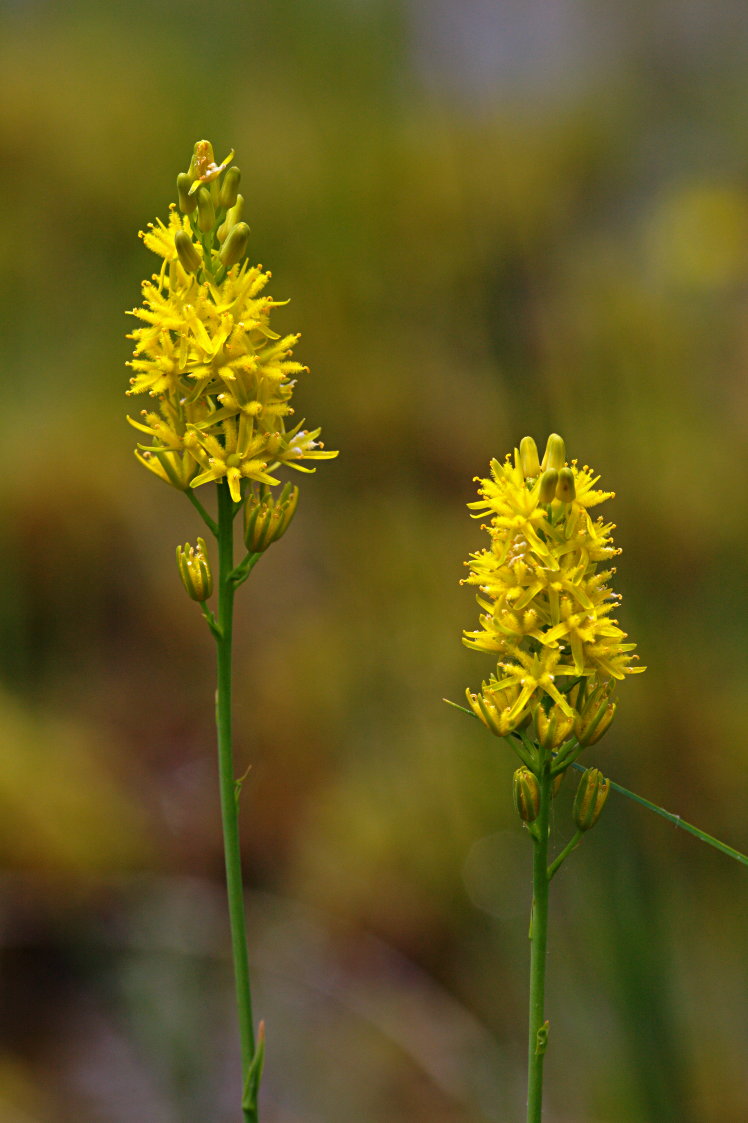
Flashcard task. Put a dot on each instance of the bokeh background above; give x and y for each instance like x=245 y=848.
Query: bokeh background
x=494 y=217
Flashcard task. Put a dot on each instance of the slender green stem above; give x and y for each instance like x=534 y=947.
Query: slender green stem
x=210 y=522
x=538 y=1027
x=229 y=803
x=677 y=821
x=571 y=845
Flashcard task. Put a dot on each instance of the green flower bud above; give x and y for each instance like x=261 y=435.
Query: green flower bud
x=548 y=485
x=229 y=188
x=233 y=216
x=590 y=798
x=187 y=202
x=194 y=569
x=235 y=246
x=595 y=716
x=526 y=792
x=553 y=727
x=187 y=252
x=565 y=489
x=528 y=455
x=267 y=519
x=555 y=452
x=206 y=214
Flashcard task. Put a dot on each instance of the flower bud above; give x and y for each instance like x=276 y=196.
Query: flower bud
x=229 y=188
x=235 y=246
x=187 y=202
x=548 y=485
x=565 y=489
x=194 y=569
x=202 y=159
x=595 y=715
x=187 y=252
x=267 y=519
x=526 y=792
x=206 y=214
x=528 y=455
x=590 y=798
x=232 y=218
x=555 y=452
x=553 y=727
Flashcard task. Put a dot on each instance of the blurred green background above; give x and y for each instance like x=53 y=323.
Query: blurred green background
x=493 y=219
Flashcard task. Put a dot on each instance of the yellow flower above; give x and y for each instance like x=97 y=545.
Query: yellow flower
x=219 y=377
x=546 y=603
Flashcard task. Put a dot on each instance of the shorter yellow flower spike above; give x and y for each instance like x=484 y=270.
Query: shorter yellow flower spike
x=546 y=605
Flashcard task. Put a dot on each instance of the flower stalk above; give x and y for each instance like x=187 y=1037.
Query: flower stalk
x=219 y=381
x=547 y=616
x=227 y=782
x=538 y=1026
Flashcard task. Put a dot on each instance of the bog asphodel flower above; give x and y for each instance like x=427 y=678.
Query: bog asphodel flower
x=219 y=378
x=543 y=586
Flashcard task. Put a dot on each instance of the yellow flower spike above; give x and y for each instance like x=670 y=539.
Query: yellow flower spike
x=547 y=609
x=219 y=378
x=194 y=569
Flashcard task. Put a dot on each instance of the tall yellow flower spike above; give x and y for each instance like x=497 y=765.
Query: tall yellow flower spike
x=219 y=378
x=547 y=606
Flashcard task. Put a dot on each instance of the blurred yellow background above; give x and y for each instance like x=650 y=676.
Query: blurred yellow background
x=492 y=219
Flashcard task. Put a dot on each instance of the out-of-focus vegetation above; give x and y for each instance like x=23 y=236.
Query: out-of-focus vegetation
x=492 y=220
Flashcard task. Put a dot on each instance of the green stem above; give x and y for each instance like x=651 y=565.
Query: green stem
x=677 y=821
x=211 y=524
x=571 y=845
x=229 y=802
x=538 y=1028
